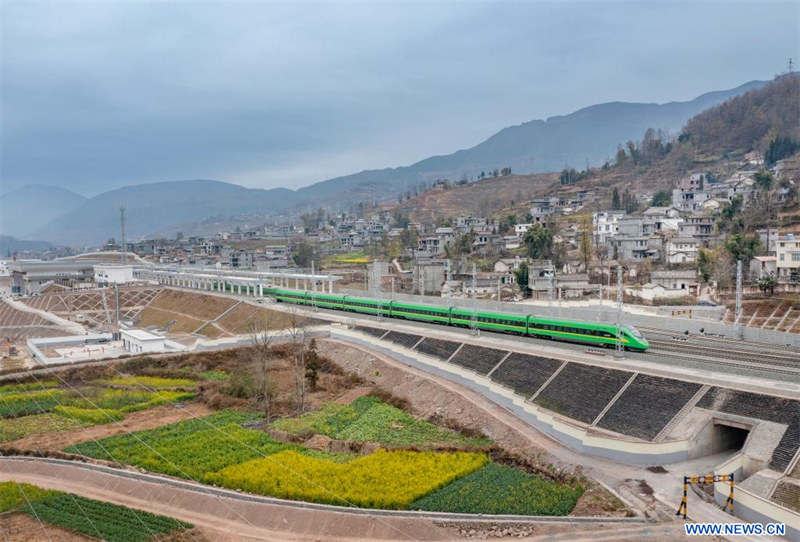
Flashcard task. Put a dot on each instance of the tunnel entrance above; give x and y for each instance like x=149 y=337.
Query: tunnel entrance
x=728 y=436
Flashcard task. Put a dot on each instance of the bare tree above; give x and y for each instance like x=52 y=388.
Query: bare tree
x=296 y=331
x=262 y=337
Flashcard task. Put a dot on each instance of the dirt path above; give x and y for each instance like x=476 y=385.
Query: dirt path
x=135 y=421
x=222 y=518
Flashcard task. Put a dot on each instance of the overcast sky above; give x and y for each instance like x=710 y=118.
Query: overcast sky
x=97 y=95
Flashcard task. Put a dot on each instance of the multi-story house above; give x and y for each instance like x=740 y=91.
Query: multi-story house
x=788 y=256
x=700 y=227
x=682 y=249
x=690 y=200
x=604 y=225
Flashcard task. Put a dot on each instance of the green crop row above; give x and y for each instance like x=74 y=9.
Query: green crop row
x=497 y=489
x=191 y=448
x=29 y=402
x=28 y=386
x=101 y=519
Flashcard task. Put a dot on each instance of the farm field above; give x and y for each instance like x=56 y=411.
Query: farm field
x=497 y=489
x=93 y=518
x=41 y=407
x=220 y=450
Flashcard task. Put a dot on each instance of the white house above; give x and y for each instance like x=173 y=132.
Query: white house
x=763 y=265
x=521 y=229
x=604 y=225
x=682 y=249
x=138 y=341
x=788 y=255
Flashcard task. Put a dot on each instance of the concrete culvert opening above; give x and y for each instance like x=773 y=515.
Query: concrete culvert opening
x=729 y=436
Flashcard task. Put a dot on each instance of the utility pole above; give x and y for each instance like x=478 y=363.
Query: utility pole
x=619 y=352
x=474 y=332
x=447 y=278
x=116 y=306
x=737 y=323
x=122 y=222
x=550 y=279
x=313 y=288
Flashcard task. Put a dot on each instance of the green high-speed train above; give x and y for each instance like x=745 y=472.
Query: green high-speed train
x=575 y=331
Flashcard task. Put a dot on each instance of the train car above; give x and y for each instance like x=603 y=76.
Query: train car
x=585 y=332
x=366 y=305
x=423 y=313
x=593 y=333
x=290 y=296
x=327 y=301
x=490 y=321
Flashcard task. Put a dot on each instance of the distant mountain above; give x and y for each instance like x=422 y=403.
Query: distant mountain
x=30 y=207
x=153 y=207
x=200 y=206
x=10 y=245
x=592 y=134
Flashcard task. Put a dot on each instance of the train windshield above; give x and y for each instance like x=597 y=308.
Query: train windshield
x=635 y=332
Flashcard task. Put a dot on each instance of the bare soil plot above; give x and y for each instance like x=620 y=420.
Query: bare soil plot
x=19 y=527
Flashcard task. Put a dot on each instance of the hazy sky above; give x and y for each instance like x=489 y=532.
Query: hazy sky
x=96 y=95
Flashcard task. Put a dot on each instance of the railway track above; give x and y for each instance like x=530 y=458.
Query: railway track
x=762 y=359
x=722 y=365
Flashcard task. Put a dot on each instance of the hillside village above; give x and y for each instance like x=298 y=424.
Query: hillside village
x=675 y=215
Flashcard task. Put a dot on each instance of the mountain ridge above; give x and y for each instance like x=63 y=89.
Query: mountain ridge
x=589 y=134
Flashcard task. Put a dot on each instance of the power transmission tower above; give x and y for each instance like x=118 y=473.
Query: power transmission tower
x=122 y=222
x=619 y=351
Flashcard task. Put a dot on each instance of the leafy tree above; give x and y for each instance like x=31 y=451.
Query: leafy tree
x=304 y=254
x=521 y=274
x=743 y=247
x=508 y=221
x=585 y=245
x=616 y=205
x=662 y=198
x=767 y=283
x=538 y=241
x=705 y=264
x=621 y=157
x=764 y=179
x=408 y=238
x=780 y=148
x=629 y=202
x=505 y=171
